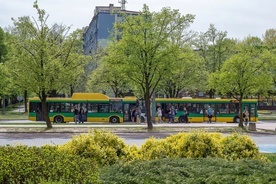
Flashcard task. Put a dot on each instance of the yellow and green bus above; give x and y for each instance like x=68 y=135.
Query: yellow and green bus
x=101 y=108
x=97 y=108
x=224 y=110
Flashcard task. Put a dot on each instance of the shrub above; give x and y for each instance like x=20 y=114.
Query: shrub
x=192 y=171
x=161 y=148
x=103 y=147
x=200 y=145
x=238 y=146
x=270 y=156
x=131 y=154
x=152 y=149
x=22 y=164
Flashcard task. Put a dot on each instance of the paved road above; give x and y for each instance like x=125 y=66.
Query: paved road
x=266 y=143
x=262 y=125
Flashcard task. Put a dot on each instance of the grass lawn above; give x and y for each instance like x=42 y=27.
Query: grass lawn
x=13 y=115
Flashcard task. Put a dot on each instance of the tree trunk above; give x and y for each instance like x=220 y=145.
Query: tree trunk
x=25 y=100
x=240 y=112
x=148 y=114
x=45 y=110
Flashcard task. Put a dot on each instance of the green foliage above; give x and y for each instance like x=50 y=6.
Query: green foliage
x=237 y=146
x=108 y=74
x=199 y=145
x=22 y=164
x=149 y=43
x=270 y=156
x=103 y=147
x=156 y=161
x=3 y=48
x=43 y=58
x=245 y=73
x=5 y=79
x=187 y=73
x=192 y=171
x=153 y=149
x=270 y=38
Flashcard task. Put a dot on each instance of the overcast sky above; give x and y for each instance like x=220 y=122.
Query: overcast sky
x=240 y=18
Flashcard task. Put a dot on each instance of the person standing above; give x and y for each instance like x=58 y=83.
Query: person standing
x=81 y=115
x=138 y=115
x=76 y=114
x=186 y=118
x=133 y=115
x=246 y=117
x=209 y=113
x=159 y=114
x=172 y=115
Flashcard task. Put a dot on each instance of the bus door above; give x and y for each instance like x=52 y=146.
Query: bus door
x=127 y=110
x=251 y=108
x=84 y=110
x=213 y=106
x=252 y=112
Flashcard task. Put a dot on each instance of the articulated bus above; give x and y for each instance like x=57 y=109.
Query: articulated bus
x=97 y=107
x=225 y=110
x=101 y=108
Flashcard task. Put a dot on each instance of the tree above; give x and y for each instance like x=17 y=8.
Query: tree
x=214 y=47
x=246 y=73
x=44 y=58
x=109 y=75
x=188 y=74
x=148 y=49
x=270 y=38
x=4 y=83
x=3 y=49
x=270 y=42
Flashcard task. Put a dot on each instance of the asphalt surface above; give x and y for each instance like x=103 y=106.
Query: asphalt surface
x=35 y=133
x=6 y=126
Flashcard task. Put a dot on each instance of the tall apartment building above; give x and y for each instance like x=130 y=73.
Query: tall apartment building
x=98 y=32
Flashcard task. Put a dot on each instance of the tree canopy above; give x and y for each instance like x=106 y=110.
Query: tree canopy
x=148 y=49
x=43 y=58
x=245 y=73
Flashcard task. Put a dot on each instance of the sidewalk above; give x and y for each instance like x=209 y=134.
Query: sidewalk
x=72 y=127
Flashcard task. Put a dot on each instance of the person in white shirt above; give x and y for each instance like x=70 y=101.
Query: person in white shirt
x=159 y=114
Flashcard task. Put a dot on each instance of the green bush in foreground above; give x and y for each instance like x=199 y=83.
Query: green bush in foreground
x=106 y=148
x=191 y=171
x=199 y=145
x=103 y=147
x=32 y=165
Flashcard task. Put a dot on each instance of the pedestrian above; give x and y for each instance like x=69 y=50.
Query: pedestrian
x=245 y=115
x=209 y=113
x=81 y=115
x=138 y=115
x=159 y=114
x=172 y=115
x=76 y=114
x=186 y=114
x=163 y=115
x=133 y=115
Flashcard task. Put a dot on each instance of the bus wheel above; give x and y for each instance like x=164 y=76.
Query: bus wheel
x=58 y=119
x=236 y=119
x=114 y=119
x=182 y=119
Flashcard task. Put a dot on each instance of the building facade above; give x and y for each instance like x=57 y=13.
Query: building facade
x=101 y=26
